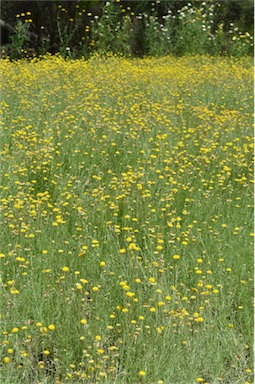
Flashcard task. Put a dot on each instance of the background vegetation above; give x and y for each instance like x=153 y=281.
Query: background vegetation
x=137 y=28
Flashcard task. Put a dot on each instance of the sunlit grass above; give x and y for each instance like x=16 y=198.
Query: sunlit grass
x=127 y=221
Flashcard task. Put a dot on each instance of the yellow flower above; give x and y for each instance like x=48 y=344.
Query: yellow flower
x=6 y=360
x=199 y=319
x=142 y=373
x=51 y=327
x=14 y=291
x=40 y=364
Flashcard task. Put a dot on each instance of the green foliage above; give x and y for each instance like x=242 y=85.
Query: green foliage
x=191 y=31
x=154 y=39
x=19 y=39
x=112 y=31
x=67 y=28
x=240 y=45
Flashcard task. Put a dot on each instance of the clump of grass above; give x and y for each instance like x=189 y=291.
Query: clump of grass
x=127 y=220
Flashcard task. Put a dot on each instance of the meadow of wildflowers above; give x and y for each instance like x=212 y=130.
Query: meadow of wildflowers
x=127 y=220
